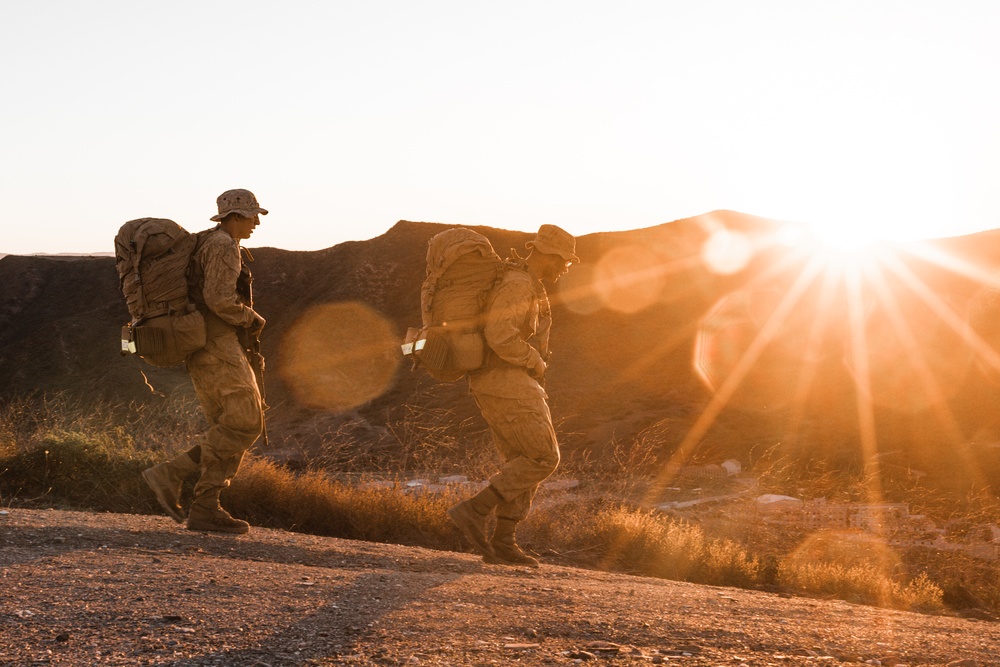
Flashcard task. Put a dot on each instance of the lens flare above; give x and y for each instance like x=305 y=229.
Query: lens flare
x=888 y=332
x=727 y=252
x=732 y=327
x=629 y=279
x=576 y=290
x=898 y=337
x=338 y=356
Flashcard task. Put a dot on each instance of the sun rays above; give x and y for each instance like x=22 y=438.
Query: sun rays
x=854 y=308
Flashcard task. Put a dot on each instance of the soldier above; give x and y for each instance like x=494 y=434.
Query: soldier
x=508 y=390
x=219 y=284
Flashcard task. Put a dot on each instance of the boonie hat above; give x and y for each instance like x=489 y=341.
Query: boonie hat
x=553 y=240
x=237 y=201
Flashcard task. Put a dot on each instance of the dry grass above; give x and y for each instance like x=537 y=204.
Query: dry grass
x=858 y=567
x=859 y=583
x=416 y=441
x=312 y=502
x=25 y=422
x=661 y=547
x=57 y=453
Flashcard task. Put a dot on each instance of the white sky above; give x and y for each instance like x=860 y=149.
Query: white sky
x=345 y=116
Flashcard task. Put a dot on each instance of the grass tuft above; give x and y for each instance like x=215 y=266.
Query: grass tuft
x=312 y=502
x=865 y=584
x=624 y=538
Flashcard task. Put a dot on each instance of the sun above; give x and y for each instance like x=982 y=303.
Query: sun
x=852 y=239
x=845 y=238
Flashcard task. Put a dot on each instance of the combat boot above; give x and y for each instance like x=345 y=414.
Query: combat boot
x=165 y=479
x=504 y=547
x=207 y=515
x=470 y=517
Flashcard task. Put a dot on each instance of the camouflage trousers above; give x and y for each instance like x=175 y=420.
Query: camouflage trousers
x=523 y=433
x=231 y=402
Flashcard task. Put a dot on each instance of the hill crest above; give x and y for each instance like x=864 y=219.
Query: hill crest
x=628 y=325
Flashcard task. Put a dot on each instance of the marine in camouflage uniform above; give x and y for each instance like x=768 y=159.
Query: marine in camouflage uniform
x=508 y=390
x=223 y=379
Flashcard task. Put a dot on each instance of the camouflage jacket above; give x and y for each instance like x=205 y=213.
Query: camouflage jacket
x=518 y=320
x=217 y=272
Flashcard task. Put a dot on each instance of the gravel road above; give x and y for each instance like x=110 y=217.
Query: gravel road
x=112 y=589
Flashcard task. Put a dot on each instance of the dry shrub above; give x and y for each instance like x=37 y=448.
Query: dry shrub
x=640 y=541
x=416 y=440
x=857 y=567
x=730 y=564
x=860 y=583
x=624 y=466
x=311 y=502
x=799 y=477
x=17 y=419
x=64 y=453
x=170 y=424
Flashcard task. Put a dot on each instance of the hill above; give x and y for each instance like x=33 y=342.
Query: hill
x=706 y=332
x=118 y=589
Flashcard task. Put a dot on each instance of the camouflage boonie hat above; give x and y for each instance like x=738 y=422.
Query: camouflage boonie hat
x=553 y=240
x=237 y=201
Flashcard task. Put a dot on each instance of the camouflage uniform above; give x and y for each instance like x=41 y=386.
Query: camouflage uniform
x=222 y=377
x=219 y=285
x=511 y=398
x=512 y=402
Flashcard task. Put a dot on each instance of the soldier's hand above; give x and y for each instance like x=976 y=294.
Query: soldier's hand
x=257 y=325
x=538 y=371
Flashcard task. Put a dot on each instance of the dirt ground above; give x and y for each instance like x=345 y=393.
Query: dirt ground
x=112 y=589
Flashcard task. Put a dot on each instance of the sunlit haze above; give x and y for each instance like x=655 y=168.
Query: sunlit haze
x=862 y=119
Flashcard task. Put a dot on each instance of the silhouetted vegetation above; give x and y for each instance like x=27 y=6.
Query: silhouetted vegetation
x=57 y=454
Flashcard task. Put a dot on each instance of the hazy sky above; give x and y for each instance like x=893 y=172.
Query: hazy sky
x=344 y=117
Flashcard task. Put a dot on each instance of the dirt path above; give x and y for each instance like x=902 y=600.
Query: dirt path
x=112 y=589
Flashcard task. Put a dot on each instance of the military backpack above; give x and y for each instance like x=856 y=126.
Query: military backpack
x=462 y=269
x=152 y=256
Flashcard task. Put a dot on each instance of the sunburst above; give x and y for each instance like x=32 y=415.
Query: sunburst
x=851 y=287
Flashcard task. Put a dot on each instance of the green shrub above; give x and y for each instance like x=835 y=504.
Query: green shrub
x=78 y=470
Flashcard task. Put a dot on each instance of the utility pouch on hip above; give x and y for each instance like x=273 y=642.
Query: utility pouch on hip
x=166 y=340
x=447 y=355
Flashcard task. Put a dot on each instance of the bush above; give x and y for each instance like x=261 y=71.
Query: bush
x=78 y=470
x=860 y=583
x=640 y=541
x=857 y=567
x=311 y=502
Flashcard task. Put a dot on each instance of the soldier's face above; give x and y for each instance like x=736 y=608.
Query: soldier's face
x=554 y=268
x=244 y=227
